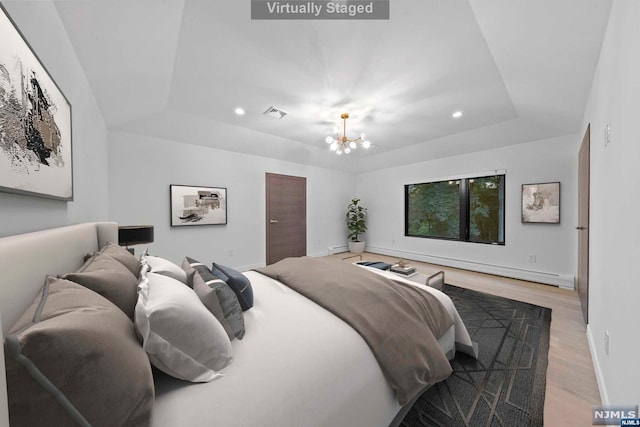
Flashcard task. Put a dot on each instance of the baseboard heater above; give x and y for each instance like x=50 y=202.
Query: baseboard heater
x=565 y=281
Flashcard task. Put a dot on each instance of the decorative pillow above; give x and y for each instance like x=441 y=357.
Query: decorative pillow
x=74 y=356
x=207 y=292
x=109 y=278
x=238 y=282
x=181 y=337
x=123 y=256
x=217 y=296
x=165 y=267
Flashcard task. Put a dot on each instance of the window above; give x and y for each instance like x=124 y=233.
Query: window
x=469 y=209
x=433 y=209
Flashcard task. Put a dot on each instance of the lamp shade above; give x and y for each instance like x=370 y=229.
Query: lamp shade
x=135 y=234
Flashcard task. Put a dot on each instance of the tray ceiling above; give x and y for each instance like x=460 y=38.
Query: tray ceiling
x=521 y=71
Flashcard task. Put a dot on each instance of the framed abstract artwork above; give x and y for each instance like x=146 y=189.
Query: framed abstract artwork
x=541 y=203
x=35 y=122
x=198 y=205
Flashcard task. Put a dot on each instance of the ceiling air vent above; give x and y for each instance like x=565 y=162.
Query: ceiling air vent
x=274 y=112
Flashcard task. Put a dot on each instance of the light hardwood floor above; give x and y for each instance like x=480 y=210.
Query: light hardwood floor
x=571 y=389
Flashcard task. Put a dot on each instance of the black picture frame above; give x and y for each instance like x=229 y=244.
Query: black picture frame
x=197 y=205
x=36 y=144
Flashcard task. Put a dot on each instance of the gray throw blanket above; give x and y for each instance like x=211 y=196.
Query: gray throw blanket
x=399 y=322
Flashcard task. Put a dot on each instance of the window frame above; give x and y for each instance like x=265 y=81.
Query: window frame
x=465 y=207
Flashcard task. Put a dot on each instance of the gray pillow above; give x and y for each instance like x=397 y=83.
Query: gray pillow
x=123 y=256
x=109 y=278
x=74 y=356
x=215 y=293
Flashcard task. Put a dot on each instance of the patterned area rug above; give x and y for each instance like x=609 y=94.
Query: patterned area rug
x=506 y=385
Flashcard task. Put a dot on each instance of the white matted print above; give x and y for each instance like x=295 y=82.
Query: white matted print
x=198 y=205
x=541 y=203
x=35 y=122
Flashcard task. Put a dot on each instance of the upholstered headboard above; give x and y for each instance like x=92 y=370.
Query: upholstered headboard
x=26 y=259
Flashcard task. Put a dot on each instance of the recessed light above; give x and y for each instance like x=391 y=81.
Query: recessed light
x=239 y=111
x=457 y=114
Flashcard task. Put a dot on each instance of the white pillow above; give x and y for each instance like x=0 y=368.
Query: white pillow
x=181 y=337
x=164 y=267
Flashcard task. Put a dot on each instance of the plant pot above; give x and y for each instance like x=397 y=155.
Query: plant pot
x=356 y=247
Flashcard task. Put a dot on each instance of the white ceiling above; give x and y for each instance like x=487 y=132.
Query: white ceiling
x=521 y=71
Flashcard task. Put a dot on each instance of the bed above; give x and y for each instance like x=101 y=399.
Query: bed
x=297 y=364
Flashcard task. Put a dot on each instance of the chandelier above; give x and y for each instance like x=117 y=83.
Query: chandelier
x=342 y=144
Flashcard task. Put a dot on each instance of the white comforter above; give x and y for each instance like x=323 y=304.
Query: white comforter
x=298 y=365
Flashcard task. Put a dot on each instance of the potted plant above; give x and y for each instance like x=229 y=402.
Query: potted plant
x=356 y=223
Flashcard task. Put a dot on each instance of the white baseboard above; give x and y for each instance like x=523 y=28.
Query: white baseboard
x=249 y=267
x=332 y=250
x=562 y=280
x=319 y=254
x=604 y=396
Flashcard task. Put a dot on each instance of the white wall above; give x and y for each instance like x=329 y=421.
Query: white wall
x=554 y=245
x=41 y=26
x=614 y=289
x=142 y=168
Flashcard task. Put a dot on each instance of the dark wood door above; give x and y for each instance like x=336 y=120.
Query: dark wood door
x=583 y=223
x=286 y=217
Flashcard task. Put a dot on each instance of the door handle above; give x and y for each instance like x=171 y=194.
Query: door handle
x=273 y=221
x=581 y=228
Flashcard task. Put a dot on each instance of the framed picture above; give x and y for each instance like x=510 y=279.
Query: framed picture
x=541 y=203
x=198 y=205
x=35 y=122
